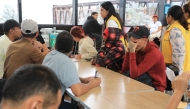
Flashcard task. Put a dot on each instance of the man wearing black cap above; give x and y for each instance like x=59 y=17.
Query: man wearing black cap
x=144 y=57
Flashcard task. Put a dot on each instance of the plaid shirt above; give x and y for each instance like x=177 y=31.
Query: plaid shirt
x=111 y=56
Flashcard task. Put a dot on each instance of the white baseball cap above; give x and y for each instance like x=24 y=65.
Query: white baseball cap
x=29 y=26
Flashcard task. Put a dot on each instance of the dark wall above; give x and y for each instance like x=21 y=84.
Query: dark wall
x=58 y=27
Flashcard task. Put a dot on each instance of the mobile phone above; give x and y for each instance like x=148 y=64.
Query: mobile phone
x=96 y=74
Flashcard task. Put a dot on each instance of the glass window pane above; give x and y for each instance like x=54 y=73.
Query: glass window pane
x=48 y=11
x=86 y=7
x=8 y=10
x=176 y=2
x=139 y=13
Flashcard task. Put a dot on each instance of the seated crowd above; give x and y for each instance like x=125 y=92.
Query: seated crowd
x=30 y=85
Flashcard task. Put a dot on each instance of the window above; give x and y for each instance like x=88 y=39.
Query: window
x=8 y=10
x=86 y=7
x=139 y=13
x=48 y=12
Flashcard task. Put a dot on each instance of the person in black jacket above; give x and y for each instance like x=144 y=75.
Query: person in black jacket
x=93 y=29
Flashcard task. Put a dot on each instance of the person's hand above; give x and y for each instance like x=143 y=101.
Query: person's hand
x=45 y=52
x=95 y=82
x=180 y=83
x=37 y=45
x=133 y=46
x=188 y=94
x=87 y=80
x=72 y=56
x=78 y=56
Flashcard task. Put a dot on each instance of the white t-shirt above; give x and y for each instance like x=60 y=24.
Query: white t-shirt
x=4 y=44
x=154 y=26
x=112 y=23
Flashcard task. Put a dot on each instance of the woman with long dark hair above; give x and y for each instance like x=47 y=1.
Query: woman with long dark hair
x=186 y=9
x=111 y=18
x=111 y=55
x=176 y=41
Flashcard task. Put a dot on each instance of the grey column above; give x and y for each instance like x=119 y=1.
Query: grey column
x=20 y=11
x=122 y=4
x=75 y=12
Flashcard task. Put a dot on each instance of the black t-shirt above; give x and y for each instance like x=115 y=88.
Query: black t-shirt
x=40 y=39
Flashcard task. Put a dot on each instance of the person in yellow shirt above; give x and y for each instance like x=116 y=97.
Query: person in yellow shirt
x=186 y=9
x=175 y=41
x=111 y=19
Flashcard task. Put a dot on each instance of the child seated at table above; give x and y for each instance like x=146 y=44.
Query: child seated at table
x=86 y=44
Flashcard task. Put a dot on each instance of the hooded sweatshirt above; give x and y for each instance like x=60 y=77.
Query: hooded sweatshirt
x=91 y=25
x=111 y=56
x=151 y=61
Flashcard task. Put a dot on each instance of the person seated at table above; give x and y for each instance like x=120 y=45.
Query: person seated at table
x=110 y=56
x=179 y=85
x=12 y=32
x=86 y=44
x=24 y=51
x=58 y=60
x=32 y=87
x=40 y=39
x=93 y=29
x=155 y=28
x=144 y=57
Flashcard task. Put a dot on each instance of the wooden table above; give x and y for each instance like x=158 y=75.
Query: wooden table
x=138 y=100
x=112 y=82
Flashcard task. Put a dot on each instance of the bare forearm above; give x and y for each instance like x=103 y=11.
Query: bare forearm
x=175 y=100
x=83 y=80
x=81 y=89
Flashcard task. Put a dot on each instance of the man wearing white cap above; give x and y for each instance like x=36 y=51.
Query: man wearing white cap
x=24 y=51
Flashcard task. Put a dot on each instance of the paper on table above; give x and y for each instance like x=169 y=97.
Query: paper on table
x=170 y=74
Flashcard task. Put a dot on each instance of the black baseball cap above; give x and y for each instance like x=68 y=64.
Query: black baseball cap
x=139 y=32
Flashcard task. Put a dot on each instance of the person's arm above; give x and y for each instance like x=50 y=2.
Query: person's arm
x=90 y=51
x=69 y=78
x=125 y=65
x=36 y=56
x=178 y=48
x=44 y=47
x=179 y=86
x=159 y=29
x=80 y=88
x=85 y=80
x=175 y=100
x=97 y=25
x=159 y=24
x=148 y=62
